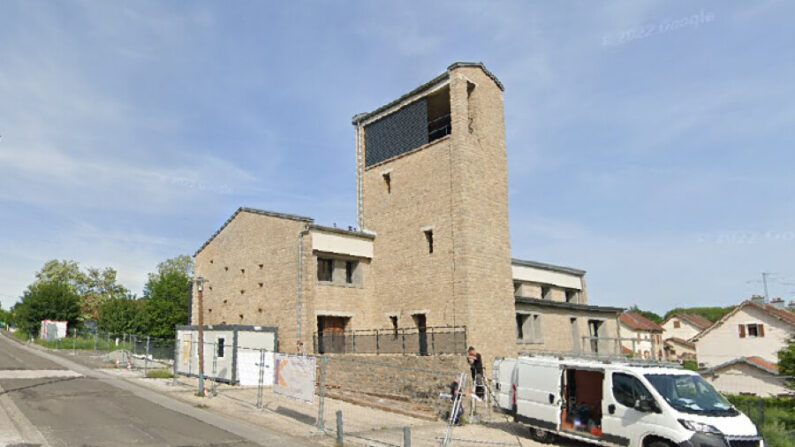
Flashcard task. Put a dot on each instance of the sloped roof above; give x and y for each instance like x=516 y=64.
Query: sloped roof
x=361 y=117
x=639 y=322
x=757 y=362
x=243 y=209
x=681 y=341
x=780 y=314
x=696 y=320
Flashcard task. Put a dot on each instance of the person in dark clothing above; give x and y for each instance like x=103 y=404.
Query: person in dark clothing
x=454 y=390
x=476 y=367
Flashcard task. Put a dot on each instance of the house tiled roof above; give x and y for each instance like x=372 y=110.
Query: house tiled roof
x=757 y=362
x=639 y=322
x=781 y=314
x=682 y=342
x=696 y=320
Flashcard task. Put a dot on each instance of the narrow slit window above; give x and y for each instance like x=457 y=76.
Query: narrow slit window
x=388 y=182
x=220 y=348
x=394 y=320
x=429 y=239
x=350 y=271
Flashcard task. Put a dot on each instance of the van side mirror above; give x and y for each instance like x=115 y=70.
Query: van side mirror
x=646 y=405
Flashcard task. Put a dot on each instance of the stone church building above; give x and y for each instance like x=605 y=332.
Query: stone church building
x=428 y=269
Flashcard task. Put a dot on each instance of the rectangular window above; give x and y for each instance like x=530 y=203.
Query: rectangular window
x=388 y=181
x=394 y=320
x=350 y=269
x=528 y=328
x=677 y=324
x=520 y=322
x=325 y=269
x=517 y=288
x=594 y=330
x=219 y=348
x=572 y=295
x=429 y=239
x=752 y=330
x=545 y=292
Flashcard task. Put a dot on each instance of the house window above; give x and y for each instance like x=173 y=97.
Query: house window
x=594 y=329
x=545 y=292
x=752 y=330
x=219 y=348
x=350 y=269
x=677 y=324
x=429 y=239
x=528 y=328
x=325 y=269
x=394 y=320
x=572 y=295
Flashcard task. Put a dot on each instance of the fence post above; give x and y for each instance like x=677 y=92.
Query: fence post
x=406 y=437
x=215 y=366
x=433 y=342
x=261 y=377
x=404 y=341
x=353 y=342
x=376 y=343
x=340 y=441
x=176 y=353
x=321 y=392
x=146 y=358
x=74 y=341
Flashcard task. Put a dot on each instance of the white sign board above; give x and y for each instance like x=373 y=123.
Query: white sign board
x=294 y=376
x=248 y=368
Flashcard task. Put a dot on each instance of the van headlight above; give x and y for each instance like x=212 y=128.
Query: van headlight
x=699 y=427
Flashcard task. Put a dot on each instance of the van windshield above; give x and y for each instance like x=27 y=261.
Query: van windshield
x=691 y=394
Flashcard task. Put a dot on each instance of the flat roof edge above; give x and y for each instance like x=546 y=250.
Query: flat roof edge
x=545 y=266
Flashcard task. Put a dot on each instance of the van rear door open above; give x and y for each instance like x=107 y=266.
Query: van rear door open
x=538 y=395
x=502 y=375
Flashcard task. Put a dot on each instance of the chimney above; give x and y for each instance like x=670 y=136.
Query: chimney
x=758 y=299
x=777 y=303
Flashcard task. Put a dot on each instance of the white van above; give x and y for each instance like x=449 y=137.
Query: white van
x=621 y=404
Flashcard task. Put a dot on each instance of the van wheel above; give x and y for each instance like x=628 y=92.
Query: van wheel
x=658 y=444
x=541 y=435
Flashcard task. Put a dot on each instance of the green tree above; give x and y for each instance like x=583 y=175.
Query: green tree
x=647 y=313
x=94 y=286
x=53 y=300
x=712 y=314
x=121 y=315
x=786 y=362
x=5 y=317
x=167 y=297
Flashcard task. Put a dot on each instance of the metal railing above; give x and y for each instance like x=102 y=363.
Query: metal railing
x=418 y=341
x=439 y=127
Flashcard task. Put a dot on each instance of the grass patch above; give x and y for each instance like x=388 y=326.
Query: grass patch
x=20 y=335
x=80 y=343
x=159 y=374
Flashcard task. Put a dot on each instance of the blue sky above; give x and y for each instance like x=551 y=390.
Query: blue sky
x=649 y=143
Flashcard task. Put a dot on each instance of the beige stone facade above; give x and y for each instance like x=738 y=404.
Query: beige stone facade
x=432 y=248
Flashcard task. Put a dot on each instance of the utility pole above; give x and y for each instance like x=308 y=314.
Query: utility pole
x=200 y=288
x=764 y=281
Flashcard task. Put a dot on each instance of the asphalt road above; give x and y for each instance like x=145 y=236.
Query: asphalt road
x=45 y=402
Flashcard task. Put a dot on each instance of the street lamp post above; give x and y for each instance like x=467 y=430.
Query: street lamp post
x=200 y=288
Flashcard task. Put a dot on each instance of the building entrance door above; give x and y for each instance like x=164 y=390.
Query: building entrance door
x=331 y=334
x=419 y=320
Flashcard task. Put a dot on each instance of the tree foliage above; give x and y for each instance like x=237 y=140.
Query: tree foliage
x=122 y=315
x=5 y=317
x=94 y=286
x=786 y=362
x=712 y=314
x=647 y=313
x=167 y=297
x=53 y=300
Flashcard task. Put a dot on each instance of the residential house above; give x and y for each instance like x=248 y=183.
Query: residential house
x=752 y=329
x=747 y=375
x=684 y=326
x=641 y=336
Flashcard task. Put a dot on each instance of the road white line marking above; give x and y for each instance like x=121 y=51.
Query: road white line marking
x=36 y=373
x=15 y=428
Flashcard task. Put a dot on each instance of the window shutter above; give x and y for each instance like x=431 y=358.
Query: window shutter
x=742 y=331
x=760 y=329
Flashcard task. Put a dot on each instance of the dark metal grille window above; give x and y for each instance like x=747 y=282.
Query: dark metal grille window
x=325 y=269
x=350 y=268
x=396 y=133
x=424 y=341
